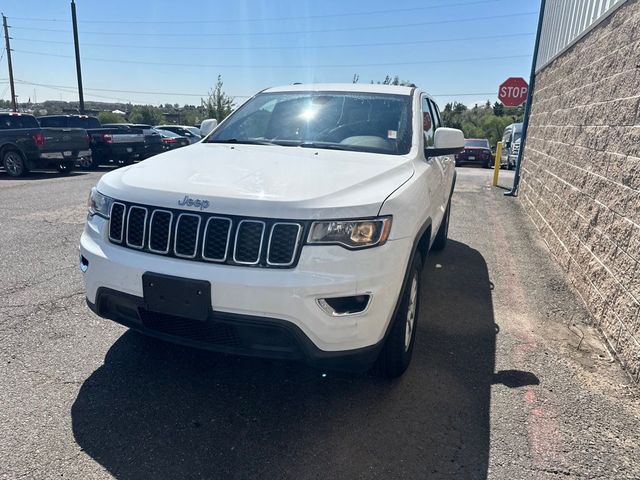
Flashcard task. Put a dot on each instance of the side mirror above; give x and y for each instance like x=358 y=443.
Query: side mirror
x=507 y=144
x=446 y=141
x=207 y=126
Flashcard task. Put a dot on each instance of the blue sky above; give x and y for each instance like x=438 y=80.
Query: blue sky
x=171 y=52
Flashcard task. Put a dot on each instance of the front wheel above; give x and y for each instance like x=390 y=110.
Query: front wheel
x=396 y=354
x=14 y=164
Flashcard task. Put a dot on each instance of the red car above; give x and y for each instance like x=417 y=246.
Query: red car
x=476 y=151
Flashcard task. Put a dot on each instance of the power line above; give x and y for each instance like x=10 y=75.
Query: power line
x=290 y=32
x=343 y=65
x=183 y=94
x=269 y=19
x=286 y=47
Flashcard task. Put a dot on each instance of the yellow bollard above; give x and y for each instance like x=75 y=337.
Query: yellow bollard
x=496 y=167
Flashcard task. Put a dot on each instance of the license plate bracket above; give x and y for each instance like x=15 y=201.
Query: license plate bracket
x=182 y=297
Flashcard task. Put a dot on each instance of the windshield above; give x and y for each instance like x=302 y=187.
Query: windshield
x=335 y=120
x=476 y=143
x=194 y=131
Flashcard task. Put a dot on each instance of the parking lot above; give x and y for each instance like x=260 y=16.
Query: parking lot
x=502 y=385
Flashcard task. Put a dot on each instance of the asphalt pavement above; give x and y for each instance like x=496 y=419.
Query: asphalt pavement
x=507 y=381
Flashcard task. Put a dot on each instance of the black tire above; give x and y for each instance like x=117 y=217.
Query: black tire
x=66 y=168
x=395 y=356
x=14 y=164
x=487 y=164
x=443 y=232
x=90 y=163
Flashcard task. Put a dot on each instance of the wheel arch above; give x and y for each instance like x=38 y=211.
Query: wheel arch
x=10 y=147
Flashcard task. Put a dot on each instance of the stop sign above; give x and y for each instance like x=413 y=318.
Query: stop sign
x=513 y=92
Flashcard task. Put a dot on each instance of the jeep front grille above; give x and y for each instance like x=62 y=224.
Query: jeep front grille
x=204 y=237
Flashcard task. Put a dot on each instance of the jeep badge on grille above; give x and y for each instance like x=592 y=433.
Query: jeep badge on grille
x=190 y=202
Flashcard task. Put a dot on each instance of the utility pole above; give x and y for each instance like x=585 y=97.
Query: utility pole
x=6 y=41
x=77 y=45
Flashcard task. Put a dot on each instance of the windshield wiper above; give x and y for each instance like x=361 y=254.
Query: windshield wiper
x=329 y=146
x=243 y=142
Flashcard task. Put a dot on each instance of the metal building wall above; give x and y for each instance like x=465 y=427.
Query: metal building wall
x=566 y=22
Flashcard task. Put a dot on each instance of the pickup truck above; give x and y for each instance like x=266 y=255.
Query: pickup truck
x=25 y=146
x=297 y=229
x=106 y=143
x=153 y=143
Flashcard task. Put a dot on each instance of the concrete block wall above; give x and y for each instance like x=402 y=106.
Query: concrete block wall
x=581 y=173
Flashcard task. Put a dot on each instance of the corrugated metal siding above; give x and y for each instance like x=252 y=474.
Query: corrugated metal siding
x=566 y=21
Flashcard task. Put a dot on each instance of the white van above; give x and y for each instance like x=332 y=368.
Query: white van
x=511 y=145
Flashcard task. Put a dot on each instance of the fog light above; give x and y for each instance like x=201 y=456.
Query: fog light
x=84 y=264
x=343 y=306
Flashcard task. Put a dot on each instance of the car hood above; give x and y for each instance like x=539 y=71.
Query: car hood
x=263 y=181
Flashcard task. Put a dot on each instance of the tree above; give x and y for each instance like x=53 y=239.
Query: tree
x=218 y=104
x=110 y=117
x=147 y=114
x=498 y=109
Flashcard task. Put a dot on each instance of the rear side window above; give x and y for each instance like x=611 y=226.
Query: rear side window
x=18 y=121
x=83 y=122
x=57 y=122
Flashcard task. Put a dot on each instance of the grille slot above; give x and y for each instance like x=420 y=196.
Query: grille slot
x=187 y=233
x=116 y=222
x=283 y=243
x=209 y=331
x=217 y=233
x=248 y=244
x=207 y=237
x=136 y=226
x=160 y=231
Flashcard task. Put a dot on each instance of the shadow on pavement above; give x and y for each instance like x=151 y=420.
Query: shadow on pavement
x=41 y=175
x=156 y=410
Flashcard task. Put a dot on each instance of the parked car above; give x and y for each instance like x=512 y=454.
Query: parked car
x=192 y=133
x=25 y=145
x=107 y=143
x=476 y=152
x=207 y=126
x=297 y=230
x=172 y=140
x=511 y=145
x=153 y=144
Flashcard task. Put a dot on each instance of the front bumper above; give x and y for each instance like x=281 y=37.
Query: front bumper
x=229 y=333
x=287 y=297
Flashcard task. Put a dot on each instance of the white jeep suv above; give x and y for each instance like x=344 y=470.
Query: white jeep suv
x=297 y=229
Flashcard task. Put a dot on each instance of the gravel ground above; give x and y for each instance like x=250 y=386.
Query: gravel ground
x=507 y=382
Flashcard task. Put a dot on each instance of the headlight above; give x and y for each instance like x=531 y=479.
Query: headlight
x=351 y=233
x=99 y=204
